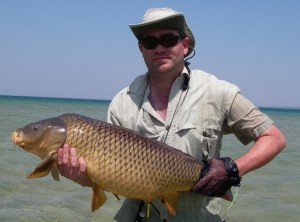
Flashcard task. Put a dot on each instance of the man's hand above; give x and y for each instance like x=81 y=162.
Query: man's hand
x=217 y=176
x=72 y=167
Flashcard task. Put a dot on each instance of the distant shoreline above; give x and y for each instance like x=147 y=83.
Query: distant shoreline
x=53 y=98
x=263 y=108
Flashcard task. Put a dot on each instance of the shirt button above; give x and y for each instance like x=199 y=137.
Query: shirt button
x=168 y=127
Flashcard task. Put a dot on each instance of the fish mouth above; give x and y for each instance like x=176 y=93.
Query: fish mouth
x=15 y=137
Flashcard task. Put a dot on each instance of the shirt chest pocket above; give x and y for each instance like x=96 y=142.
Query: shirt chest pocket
x=200 y=138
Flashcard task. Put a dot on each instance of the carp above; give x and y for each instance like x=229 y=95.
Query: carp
x=118 y=160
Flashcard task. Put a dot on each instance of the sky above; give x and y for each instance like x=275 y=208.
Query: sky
x=85 y=49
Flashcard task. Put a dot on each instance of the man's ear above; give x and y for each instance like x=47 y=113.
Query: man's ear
x=186 y=43
x=140 y=46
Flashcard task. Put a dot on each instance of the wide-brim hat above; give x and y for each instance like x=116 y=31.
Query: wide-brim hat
x=164 y=18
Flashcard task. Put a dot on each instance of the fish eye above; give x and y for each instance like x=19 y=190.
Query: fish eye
x=35 y=127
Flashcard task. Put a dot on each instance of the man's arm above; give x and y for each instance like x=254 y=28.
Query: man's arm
x=219 y=174
x=266 y=147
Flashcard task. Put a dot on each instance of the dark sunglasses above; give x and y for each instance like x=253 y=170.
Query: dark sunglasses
x=166 y=40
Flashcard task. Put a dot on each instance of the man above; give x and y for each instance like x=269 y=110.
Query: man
x=189 y=110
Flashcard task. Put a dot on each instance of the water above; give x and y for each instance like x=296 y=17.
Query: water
x=267 y=194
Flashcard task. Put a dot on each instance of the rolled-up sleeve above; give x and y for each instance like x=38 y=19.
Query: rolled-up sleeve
x=246 y=120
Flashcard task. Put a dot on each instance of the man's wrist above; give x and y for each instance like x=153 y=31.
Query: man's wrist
x=232 y=171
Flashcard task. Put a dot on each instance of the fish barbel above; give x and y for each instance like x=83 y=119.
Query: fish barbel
x=118 y=160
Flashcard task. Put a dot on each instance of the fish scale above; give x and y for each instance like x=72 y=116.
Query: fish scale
x=118 y=160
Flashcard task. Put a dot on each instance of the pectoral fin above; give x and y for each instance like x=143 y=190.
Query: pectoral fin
x=55 y=173
x=98 y=197
x=43 y=168
x=170 y=200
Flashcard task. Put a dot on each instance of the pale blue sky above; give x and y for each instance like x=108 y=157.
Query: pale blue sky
x=85 y=49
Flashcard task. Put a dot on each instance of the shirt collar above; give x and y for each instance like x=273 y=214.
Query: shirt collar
x=140 y=84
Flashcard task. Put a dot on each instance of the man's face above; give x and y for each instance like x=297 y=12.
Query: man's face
x=164 y=59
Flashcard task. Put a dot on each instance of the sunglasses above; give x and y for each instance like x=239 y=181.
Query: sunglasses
x=166 y=40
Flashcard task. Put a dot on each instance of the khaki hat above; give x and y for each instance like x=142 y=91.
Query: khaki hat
x=158 y=18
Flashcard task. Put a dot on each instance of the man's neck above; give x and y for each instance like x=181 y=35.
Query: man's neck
x=160 y=87
x=161 y=83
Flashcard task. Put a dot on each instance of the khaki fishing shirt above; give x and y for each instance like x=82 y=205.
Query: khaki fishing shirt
x=201 y=110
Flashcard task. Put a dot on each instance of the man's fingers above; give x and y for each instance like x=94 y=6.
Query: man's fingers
x=86 y=181
x=66 y=152
x=82 y=166
x=73 y=158
x=60 y=156
x=72 y=167
x=73 y=163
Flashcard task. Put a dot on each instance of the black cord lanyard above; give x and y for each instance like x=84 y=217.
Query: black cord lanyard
x=140 y=216
x=184 y=88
